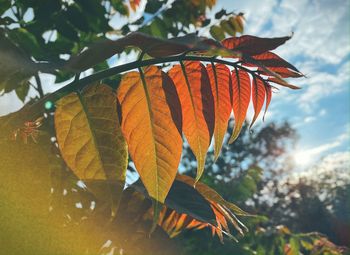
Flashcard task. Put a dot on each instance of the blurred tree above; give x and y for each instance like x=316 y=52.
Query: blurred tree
x=254 y=172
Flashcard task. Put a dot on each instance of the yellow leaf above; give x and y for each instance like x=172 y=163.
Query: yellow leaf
x=89 y=135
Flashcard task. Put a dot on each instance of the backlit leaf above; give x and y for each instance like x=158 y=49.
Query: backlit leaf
x=220 y=81
x=270 y=64
x=258 y=97
x=197 y=102
x=268 y=90
x=151 y=124
x=89 y=135
x=282 y=83
x=241 y=91
x=270 y=59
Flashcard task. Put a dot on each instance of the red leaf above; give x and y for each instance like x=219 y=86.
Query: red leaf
x=282 y=83
x=270 y=59
x=220 y=80
x=252 y=45
x=258 y=97
x=275 y=64
x=240 y=99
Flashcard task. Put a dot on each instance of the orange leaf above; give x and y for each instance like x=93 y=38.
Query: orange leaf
x=268 y=89
x=134 y=4
x=252 y=45
x=197 y=102
x=258 y=97
x=151 y=124
x=240 y=99
x=220 y=80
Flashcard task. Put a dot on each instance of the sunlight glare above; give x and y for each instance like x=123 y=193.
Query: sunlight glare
x=302 y=158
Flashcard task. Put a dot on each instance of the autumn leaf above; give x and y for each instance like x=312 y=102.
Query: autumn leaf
x=212 y=195
x=268 y=90
x=253 y=45
x=258 y=97
x=89 y=135
x=282 y=83
x=151 y=124
x=270 y=59
x=195 y=204
x=91 y=143
x=197 y=103
x=174 y=221
x=134 y=4
x=270 y=64
x=220 y=80
x=241 y=91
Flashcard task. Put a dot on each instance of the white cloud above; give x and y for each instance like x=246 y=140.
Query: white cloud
x=320 y=29
x=305 y=157
x=309 y=119
x=317 y=86
x=321 y=85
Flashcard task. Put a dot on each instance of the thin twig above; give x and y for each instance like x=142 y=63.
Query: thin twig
x=39 y=87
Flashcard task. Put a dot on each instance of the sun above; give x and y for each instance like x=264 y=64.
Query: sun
x=302 y=157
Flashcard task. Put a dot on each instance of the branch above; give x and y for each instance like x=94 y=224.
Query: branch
x=38 y=108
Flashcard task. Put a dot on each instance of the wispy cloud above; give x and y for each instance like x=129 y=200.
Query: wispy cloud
x=321 y=85
x=305 y=157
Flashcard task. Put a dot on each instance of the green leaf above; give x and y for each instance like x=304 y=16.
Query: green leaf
x=22 y=91
x=158 y=28
x=225 y=25
x=26 y=40
x=294 y=246
x=217 y=33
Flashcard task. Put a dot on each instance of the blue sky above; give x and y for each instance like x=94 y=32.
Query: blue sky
x=320 y=48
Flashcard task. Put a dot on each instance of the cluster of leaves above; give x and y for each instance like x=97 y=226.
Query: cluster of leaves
x=156 y=108
x=171 y=18
x=48 y=33
x=49 y=30
x=231 y=25
x=151 y=109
